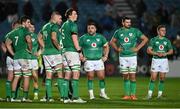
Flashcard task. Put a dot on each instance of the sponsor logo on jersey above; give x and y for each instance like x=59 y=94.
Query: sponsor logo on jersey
x=94 y=45
x=161 y=47
x=157 y=42
x=126 y=39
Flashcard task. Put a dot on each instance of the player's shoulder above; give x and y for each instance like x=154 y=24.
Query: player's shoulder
x=154 y=38
x=134 y=29
x=99 y=35
x=84 y=35
x=46 y=25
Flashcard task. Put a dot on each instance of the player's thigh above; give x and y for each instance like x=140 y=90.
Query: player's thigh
x=155 y=65
x=9 y=63
x=123 y=65
x=33 y=64
x=154 y=75
x=90 y=75
x=98 y=65
x=164 y=66
x=25 y=67
x=162 y=76
x=89 y=66
x=17 y=68
x=132 y=64
x=72 y=58
x=100 y=74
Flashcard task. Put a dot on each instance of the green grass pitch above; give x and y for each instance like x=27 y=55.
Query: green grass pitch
x=114 y=89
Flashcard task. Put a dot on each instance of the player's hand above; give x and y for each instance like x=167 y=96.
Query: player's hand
x=104 y=58
x=82 y=58
x=135 y=49
x=160 y=55
x=119 y=49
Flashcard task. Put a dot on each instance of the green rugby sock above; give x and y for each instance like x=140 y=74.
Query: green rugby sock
x=161 y=85
x=49 y=88
x=127 y=87
x=8 y=89
x=133 y=87
x=66 y=88
x=90 y=84
x=151 y=85
x=60 y=82
x=102 y=84
x=75 y=84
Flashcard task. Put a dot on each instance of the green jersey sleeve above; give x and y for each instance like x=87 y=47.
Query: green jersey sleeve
x=169 y=45
x=81 y=41
x=74 y=28
x=151 y=43
x=54 y=28
x=115 y=35
x=104 y=41
x=139 y=34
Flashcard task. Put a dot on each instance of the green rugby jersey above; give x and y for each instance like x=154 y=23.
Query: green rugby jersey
x=67 y=29
x=17 y=36
x=127 y=39
x=92 y=46
x=46 y=31
x=160 y=45
x=34 y=45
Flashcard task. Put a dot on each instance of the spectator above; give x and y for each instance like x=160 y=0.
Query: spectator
x=28 y=9
x=61 y=7
x=46 y=10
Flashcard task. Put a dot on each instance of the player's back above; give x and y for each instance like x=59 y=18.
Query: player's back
x=19 y=42
x=46 y=32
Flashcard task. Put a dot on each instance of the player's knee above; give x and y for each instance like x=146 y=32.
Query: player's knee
x=90 y=77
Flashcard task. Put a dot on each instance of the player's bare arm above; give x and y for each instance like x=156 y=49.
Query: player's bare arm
x=151 y=52
x=54 y=40
x=106 y=52
x=170 y=52
x=29 y=42
x=143 y=42
x=75 y=41
x=114 y=45
x=9 y=46
x=3 y=47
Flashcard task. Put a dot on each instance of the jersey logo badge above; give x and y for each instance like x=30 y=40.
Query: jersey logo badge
x=126 y=39
x=88 y=40
x=161 y=47
x=121 y=35
x=33 y=39
x=93 y=45
x=98 y=40
x=165 y=43
x=130 y=34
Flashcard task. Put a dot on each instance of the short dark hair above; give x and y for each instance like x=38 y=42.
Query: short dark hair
x=125 y=18
x=24 y=19
x=160 y=26
x=55 y=13
x=69 y=12
x=92 y=23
